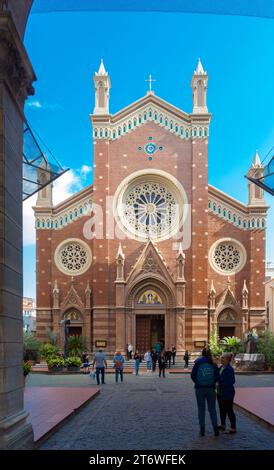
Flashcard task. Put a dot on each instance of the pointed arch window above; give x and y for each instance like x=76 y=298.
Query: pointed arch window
x=66 y=219
x=114 y=135
x=224 y=213
x=150 y=114
x=194 y=133
x=205 y=131
x=38 y=223
x=155 y=116
x=182 y=131
x=129 y=125
x=61 y=221
x=106 y=132
x=70 y=215
x=263 y=224
x=145 y=117
x=176 y=129
x=95 y=133
x=101 y=133
x=161 y=120
x=48 y=223
x=140 y=120
x=75 y=213
x=229 y=216
x=200 y=132
x=258 y=223
x=187 y=134
x=171 y=125
x=124 y=128
x=119 y=131
x=244 y=224
x=43 y=224
x=134 y=123
x=166 y=123
x=209 y=204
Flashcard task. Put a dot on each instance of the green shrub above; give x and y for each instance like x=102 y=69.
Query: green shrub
x=73 y=361
x=232 y=344
x=55 y=361
x=265 y=345
x=76 y=345
x=26 y=368
x=214 y=344
x=31 y=347
x=47 y=350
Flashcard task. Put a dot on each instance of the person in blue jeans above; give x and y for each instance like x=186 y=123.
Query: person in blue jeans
x=205 y=375
x=118 y=364
x=138 y=360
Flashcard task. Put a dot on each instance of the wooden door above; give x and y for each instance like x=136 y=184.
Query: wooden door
x=143 y=333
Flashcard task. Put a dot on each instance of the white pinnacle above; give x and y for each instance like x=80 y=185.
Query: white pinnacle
x=102 y=70
x=256 y=160
x=200 y=69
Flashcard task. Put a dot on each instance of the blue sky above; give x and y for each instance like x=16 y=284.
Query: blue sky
x=66 y=48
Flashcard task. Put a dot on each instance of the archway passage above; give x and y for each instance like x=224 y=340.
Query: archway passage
x=228 y=323
x=75 y=328
x=150 y=330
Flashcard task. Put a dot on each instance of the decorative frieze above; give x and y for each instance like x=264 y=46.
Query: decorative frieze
x=69 y=215
x=236 y=217
x=150 y=113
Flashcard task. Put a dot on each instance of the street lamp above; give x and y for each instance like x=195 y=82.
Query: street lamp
x=66 y=324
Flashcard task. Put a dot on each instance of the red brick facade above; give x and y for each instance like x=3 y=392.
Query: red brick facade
x=192 y=301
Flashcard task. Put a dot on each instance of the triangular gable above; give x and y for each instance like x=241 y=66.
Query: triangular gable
x=72 y=299
x=226 y=298
x=150 y=261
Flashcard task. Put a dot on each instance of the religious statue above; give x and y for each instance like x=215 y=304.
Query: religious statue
x=251 y=342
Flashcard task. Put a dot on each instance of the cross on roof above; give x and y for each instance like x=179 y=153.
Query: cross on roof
x=150 y=80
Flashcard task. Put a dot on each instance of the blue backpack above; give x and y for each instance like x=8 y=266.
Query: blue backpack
x=205 y=375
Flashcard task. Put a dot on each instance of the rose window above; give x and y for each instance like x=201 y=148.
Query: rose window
x=150 y=209
x=227 y=256
x=73 y=257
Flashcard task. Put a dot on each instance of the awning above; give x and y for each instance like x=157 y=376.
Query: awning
x=39 y=168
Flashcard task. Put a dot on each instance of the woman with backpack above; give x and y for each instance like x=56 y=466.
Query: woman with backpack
x=118 y=365
x=205 y=375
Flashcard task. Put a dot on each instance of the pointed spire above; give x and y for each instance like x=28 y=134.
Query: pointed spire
x=256 y=160
x=212 y=289
x=55 y=288
x=88 y=289
x=102 y=70
x=180 y=251
x=228 y=283
x=120 y=253
x=200 y=69
x=245 y=289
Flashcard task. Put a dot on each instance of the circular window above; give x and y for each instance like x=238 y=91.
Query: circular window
x=150 y=205
x=227 y=256
x=73 y=257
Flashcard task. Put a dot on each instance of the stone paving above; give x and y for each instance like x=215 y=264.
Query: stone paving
x=148 y=412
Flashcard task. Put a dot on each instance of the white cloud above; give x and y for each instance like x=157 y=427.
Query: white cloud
x=64 y=187
x=34 y=104
x=85 y=169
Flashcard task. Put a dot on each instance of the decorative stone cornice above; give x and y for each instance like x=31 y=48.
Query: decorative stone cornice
x=150 y=109
x=15 y=68
x=65 y=213
x=234 y=212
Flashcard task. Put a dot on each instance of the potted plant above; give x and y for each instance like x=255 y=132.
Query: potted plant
x=232 y=344
x=214 y=344
x=73 y=363
x=265 y=346
x=26 y=370
x=55 y=363
x=76 y=345
x=31 y=347
x=48 y=350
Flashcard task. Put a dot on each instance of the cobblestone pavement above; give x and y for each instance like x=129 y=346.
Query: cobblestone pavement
x=148 y=412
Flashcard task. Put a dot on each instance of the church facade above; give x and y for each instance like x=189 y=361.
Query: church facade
x=151 y=251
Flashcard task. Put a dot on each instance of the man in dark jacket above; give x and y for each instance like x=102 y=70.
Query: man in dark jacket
x=205 y=374
x=226 y=393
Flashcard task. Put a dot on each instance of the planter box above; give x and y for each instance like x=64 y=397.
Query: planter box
x=73 y=368
x=56 y=369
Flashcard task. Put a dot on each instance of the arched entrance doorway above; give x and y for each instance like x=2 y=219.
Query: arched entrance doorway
x=150 y=311
x=228 y=323
x=76 y=322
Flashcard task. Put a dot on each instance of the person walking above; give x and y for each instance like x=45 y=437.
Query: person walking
x=226 y=393
x=138 y=359
x=205 y=375
x=162 y=364
x=186 y=359
x=173 y=355
x=154 y=359
x=147 y=358
x=130 y=350
x=118 y=364
x=100 y=363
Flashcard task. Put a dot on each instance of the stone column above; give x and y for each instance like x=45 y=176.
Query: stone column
x=180 y=331
x=16 y=77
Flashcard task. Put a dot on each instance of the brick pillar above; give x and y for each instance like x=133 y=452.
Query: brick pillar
x=16 y=77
